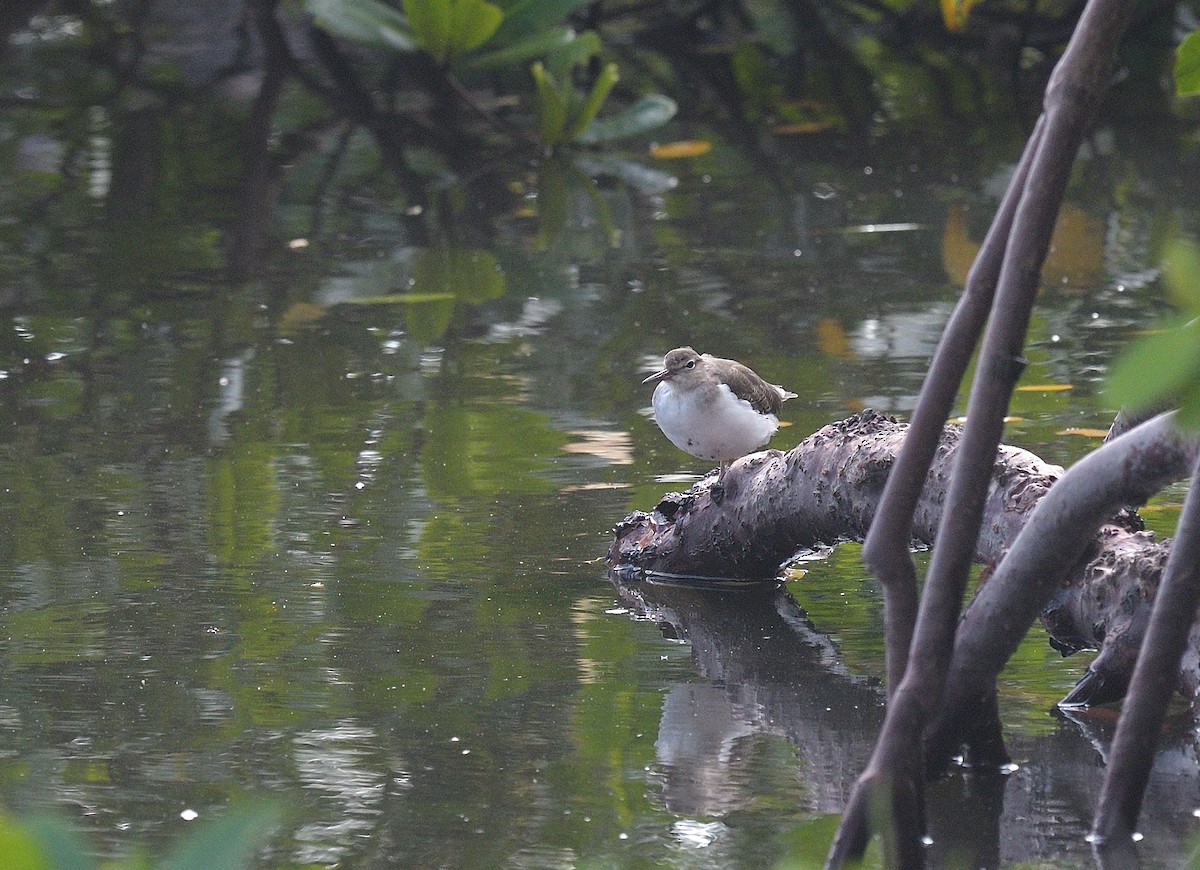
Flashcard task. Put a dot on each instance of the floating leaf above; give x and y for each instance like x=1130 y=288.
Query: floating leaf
x=1187 y=66
x=430 y=23
x=646 y=114
x=1044 y=388
x=683 y=148
x=427 y=322
x=799 y=128
x=399 y=299
x=1187 y=412
x=1083 y=432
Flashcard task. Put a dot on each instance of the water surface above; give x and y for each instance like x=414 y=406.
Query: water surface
x=262 y=542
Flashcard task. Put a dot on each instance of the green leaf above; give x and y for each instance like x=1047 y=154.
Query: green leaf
x=1187 y=66
x=430 y=23
x=60 y=845
x=587 y=112
x=472 y=23
x=1158 y=367
x=647 y=113
x=469 y=274
x=641 y=178
x=446 y=29
x=225 y=843
x=580 y=50
x=1188 y=415
x=368 y=22
x=551 y=105
x=1181 y=266
x=530 y=16
x=538 y=45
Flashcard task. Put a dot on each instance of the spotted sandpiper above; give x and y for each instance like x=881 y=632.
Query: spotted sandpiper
x=713 y=408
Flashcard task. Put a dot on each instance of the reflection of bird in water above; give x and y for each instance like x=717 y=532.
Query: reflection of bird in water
x=713 y=408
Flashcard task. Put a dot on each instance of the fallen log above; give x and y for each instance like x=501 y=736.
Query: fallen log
x=826 y=490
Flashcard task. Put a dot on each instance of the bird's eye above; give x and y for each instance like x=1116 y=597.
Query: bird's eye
x=690 y=364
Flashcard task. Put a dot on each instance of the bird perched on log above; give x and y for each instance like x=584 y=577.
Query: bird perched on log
x=713 y=408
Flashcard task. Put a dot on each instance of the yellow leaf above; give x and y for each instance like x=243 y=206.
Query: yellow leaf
x=955 y=12
x=1044 y=388
x=1076 y=256
x=299 y=315
x=1084 y=432
x=962 y=421
x=1157 y=508
x=683 y=148
x=831 y=338
x=800 y=128
x=399 y=299
x=958 y=249
x=794 y=573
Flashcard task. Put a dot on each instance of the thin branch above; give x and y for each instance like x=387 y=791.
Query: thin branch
x=1074 y=93
x=886 y=550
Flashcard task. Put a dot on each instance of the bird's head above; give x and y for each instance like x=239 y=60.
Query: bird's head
x=680 y=366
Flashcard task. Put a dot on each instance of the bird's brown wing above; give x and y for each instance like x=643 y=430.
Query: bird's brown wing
x=745 y=384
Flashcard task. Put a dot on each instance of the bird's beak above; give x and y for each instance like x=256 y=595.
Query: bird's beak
x=656 y=377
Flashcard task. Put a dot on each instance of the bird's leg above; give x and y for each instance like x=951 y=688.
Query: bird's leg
x=716 y=491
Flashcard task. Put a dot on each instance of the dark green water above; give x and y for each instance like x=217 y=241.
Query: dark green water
x=346 y=556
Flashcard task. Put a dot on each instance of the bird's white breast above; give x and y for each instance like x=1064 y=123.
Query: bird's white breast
x=711 y=424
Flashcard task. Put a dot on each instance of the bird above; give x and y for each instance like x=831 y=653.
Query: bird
x=713 y=408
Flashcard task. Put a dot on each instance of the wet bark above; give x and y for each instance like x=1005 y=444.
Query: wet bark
x=823 y=491
x=1099 y=576
x=1083 y=560
x=1153 y=683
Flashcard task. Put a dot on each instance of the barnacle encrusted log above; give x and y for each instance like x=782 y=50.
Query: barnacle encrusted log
x=826 y=490
x=823 y=491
